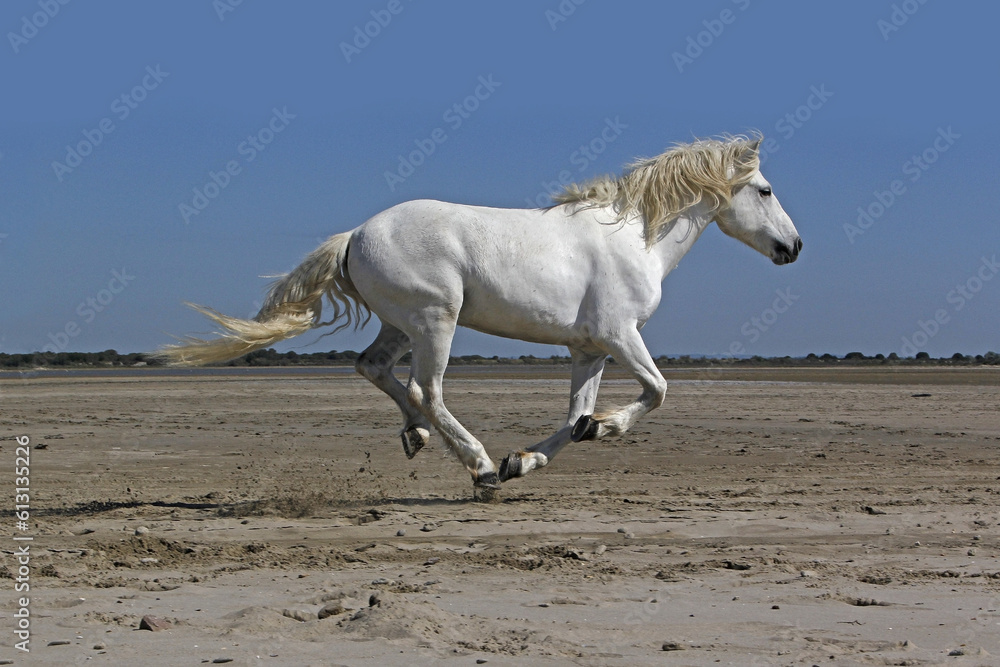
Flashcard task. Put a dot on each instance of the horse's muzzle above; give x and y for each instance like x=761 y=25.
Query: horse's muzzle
x=786 y=254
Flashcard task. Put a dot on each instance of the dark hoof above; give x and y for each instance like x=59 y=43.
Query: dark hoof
x=585 y=428
x=488 y=480
x=413 y=441
x=510 y=467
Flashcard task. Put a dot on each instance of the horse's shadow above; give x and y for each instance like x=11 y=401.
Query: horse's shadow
x=249 y=508
x=95 y=507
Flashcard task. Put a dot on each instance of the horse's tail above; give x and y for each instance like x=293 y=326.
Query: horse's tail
x=294 y=305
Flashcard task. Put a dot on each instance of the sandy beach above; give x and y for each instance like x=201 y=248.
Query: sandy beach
x=771 y=517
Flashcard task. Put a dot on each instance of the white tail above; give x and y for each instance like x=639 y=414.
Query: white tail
x=294 y=305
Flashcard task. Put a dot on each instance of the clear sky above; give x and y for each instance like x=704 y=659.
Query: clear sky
x=116 y=116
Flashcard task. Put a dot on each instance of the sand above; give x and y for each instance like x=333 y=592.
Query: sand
x=781 y=518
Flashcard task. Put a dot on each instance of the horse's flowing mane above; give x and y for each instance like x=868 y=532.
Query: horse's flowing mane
x=663 y=187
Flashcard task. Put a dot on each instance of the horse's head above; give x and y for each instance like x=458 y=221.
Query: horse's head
x=755 y=217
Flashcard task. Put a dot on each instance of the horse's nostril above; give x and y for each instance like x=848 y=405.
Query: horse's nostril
x=798 y=245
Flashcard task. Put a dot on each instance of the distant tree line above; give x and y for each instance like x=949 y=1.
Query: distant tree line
x=270 y=357
x=849 y=359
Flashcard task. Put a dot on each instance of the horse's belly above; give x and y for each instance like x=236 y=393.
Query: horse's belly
x=519 y=329
x=524 y=317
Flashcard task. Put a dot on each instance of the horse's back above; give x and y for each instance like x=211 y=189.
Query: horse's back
x=469 y=239
x=513 y=272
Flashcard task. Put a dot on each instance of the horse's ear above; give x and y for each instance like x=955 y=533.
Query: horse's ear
x=750 y=152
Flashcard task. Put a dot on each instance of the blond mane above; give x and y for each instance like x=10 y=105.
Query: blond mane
x=663 y=187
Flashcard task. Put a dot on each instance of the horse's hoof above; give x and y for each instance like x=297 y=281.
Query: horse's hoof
x=585 y=428
x=488 y=480
x=510 y=467
x=482 y=494
x=413 y=440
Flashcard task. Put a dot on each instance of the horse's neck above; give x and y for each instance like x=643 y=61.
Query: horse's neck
x=680 y=237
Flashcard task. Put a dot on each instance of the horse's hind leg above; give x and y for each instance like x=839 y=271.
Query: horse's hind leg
x=376 y=364
x=586 y=379
x=431 y=341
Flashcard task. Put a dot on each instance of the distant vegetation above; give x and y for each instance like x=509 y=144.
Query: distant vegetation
x=111 y=358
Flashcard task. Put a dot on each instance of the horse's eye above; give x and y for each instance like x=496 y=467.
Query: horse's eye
x=765 y=192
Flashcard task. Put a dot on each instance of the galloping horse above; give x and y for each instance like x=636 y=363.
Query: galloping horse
x=585 y=273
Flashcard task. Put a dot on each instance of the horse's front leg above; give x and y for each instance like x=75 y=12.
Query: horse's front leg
x=629 y=350
x=586 y=379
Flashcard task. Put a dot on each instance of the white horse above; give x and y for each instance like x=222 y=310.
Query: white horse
x=585 y=273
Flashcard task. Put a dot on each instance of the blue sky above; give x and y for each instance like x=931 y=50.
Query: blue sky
x=886 y=107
